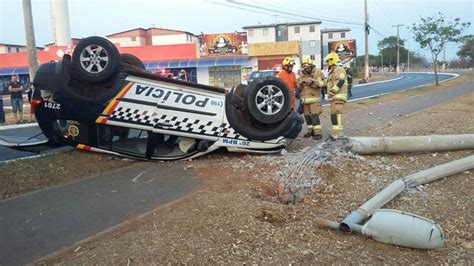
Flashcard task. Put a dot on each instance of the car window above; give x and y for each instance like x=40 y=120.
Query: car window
x=268 y=74
x=123 y=140
x=172 y=146
x=254 y=75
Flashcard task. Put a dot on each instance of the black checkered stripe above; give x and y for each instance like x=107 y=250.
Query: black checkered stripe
x=175 y=123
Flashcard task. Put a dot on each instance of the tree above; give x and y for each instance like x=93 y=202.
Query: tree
x=388 y=49
x=467 y=49
x=434 y=32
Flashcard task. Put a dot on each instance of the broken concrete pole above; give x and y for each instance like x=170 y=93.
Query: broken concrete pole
x=397 y=186
x=433 y=143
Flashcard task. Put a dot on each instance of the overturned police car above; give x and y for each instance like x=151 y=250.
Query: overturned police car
x=103 y=101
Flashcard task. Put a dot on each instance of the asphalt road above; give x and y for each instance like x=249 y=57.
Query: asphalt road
x=38 y=223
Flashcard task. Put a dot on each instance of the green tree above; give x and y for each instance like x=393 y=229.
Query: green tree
x=388 y=49
x=434 y=32
x=467 y=49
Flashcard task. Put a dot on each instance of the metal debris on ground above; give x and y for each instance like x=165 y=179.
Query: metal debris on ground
x=300 y=176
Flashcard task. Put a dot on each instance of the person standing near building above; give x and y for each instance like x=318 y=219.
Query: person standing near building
x=337 y=90
x=2 y=112
x=311 y=82
x=16 y=92
x=349 y=80
x=33 y=94
x=289 y=77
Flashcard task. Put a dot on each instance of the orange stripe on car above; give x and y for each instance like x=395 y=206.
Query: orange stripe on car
x=83 y=147
x=113 y=104
x=110 y=108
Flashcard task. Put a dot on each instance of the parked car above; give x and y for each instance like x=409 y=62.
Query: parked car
x=106 y=102
x=262 y=74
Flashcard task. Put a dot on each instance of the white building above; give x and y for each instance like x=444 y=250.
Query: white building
x=308 y=34
x=152 y=36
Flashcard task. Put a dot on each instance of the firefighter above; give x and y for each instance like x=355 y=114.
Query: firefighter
x=337 y=90
x=349 y=80
x=310 y=84
x=289 y=77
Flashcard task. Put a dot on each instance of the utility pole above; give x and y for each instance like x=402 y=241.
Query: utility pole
x=366 y=28
x=30 y=39
x=398 y=47
x=381 y=59
x=60 y=21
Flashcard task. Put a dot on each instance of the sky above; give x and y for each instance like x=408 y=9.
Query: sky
x=104 y=17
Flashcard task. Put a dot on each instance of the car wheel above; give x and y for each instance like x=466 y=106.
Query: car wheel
x=130 y=60
x=242 y=123
x=268 y=100
x=95 y=59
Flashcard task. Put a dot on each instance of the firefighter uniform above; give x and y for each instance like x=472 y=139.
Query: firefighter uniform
x=289 y=77
x=310 y=83
x=337 y=90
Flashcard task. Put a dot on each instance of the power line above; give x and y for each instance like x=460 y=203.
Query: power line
x=246 y=9
x=289 y=13
x=308 y=7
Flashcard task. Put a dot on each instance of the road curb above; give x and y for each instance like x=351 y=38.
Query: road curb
x=18 y=126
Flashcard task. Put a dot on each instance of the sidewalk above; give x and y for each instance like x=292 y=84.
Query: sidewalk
x=45 y=221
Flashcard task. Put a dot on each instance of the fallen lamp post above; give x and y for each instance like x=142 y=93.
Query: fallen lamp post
x=393 y=226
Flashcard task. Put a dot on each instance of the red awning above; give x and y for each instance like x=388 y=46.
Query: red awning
x=145 y=53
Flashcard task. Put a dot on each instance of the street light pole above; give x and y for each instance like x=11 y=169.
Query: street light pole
x=381 y=59
x=30 y=39
x=398 y=47
x=366 y=28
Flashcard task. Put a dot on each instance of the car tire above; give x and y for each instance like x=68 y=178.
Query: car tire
x=242 y=123
x=128 y=60
x=95 y=59
x=268 y=100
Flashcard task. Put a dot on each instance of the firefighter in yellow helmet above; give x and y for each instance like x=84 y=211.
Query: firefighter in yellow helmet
x=310 y=83
x=289 y=77
x=337 y=91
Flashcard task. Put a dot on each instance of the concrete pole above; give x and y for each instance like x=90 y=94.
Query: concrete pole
x=30 y=39
x=398 y=47
x=433 y=143
x=381 y=59
x=60 y=20
x=366 y=28
x=399 y=185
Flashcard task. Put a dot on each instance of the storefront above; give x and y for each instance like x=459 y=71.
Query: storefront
x=223 y=72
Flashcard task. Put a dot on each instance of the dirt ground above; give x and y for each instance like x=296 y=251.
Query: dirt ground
x=238 y=218
x=23 y=176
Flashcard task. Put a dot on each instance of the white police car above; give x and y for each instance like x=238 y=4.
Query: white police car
x=102 y=101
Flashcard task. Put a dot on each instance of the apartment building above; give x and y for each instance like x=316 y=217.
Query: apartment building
x=152 y=36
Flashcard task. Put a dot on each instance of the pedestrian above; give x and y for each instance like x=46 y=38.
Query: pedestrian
x=2 y=112
x=33 y=94
x=311 y=82
x=337 y=90
x=182 y=75
x=349 y=80
x=16 y=93
x=289 y=77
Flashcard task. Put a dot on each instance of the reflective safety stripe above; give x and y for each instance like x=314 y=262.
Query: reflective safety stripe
x=310 y=127
x=340 y=96
x=337 y=128
x=308 y=100
x=317 y=128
